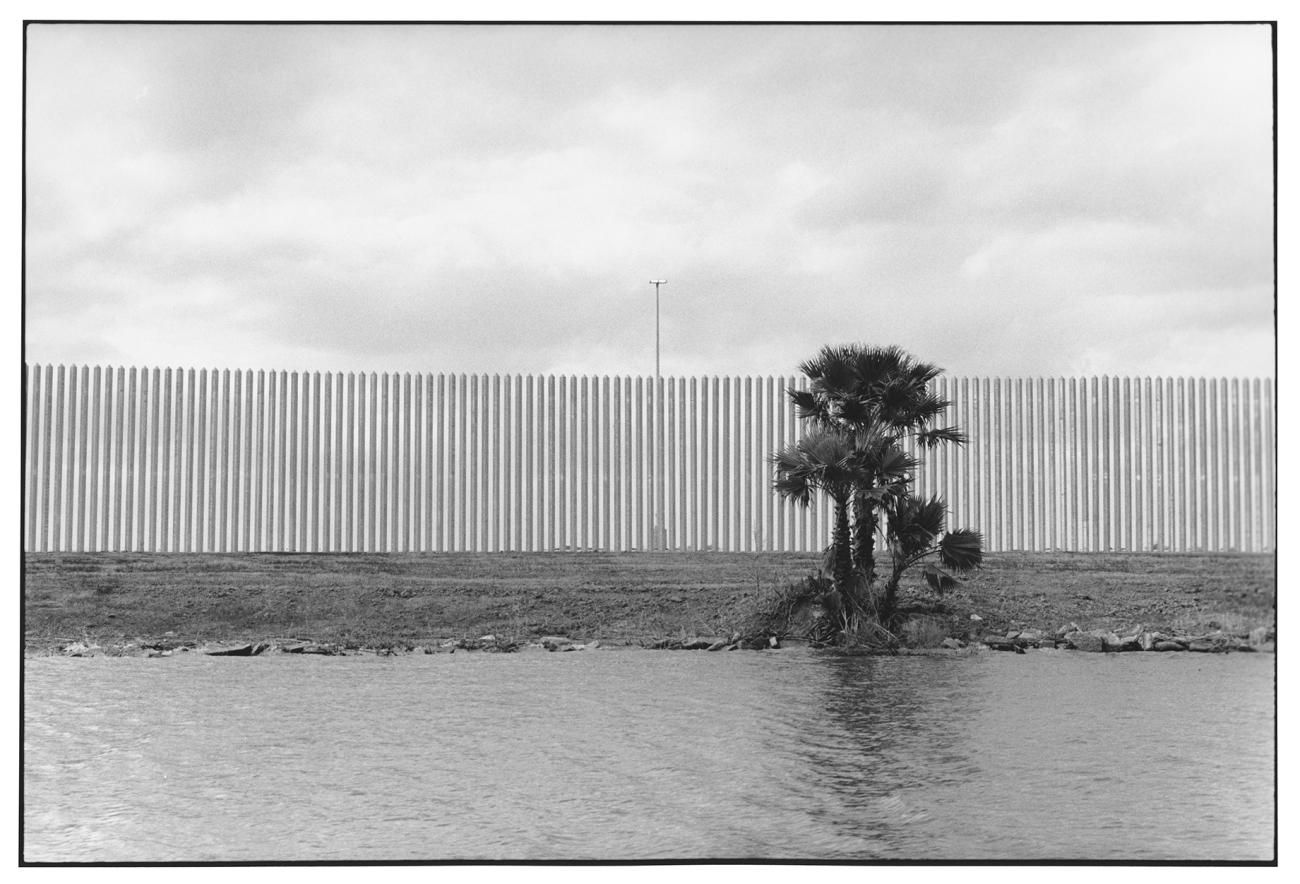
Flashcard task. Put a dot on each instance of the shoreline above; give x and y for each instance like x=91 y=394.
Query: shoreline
x=1220 y=643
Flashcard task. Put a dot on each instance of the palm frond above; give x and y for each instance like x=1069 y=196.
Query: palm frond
x=805 y=402
x=962 y=550
x=926 y=405
x=855 y=411
x=913 y=407
x=893 y=461
x=930 y=515
x=940 y=581
x=797 y=477
x=833 y=362
x=820 y=461
x=872 y=436
x=923 y=373
x=914 y=524
x=876 y=363
x=929 y=439
x=792 y=480
x=837 y=376
x=897 y=396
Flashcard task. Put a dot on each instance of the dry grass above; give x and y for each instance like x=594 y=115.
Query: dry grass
x=925 y=632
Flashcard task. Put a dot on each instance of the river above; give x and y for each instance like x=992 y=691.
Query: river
x=626 y=755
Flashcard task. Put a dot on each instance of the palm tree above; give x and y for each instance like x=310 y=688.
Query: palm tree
x=916 y=532
x=822 y=461
x=877 y=393
x=843 y=465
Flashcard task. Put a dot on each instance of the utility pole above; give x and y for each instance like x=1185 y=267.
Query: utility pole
x=656 y=283
x=656 y=466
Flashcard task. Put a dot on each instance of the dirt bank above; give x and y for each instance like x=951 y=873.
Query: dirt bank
x=364 y=600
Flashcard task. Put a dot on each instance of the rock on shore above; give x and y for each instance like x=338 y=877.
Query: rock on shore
x=1106 y=641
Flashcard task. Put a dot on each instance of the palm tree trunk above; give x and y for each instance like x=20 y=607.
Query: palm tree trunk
x=865 y=522
x=889 y=600
x=842 y=549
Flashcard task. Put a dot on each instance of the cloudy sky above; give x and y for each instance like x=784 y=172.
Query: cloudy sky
x=1054 y=200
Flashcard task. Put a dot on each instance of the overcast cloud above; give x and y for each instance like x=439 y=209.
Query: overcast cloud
x=1002 y=201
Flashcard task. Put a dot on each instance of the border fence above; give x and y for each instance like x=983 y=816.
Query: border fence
x=220 y=460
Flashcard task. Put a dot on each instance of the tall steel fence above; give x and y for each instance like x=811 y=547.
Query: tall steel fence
x=172 y=460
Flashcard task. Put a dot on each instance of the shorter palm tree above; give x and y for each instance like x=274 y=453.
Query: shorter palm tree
x=884 y=475
x=822 y=461
x=916 y=532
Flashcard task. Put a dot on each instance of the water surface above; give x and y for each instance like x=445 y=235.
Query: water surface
x=639 y=755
